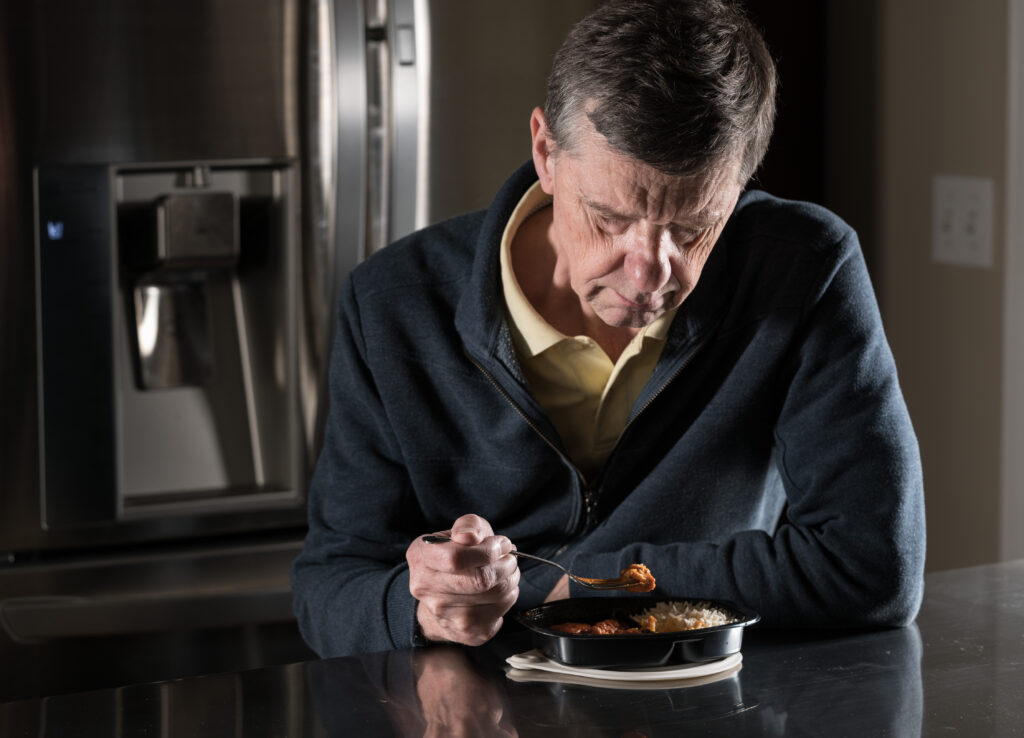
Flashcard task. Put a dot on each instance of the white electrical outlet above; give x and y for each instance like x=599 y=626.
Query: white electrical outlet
x=962 y=220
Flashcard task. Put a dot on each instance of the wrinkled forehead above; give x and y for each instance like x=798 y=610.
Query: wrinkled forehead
x=611 y=181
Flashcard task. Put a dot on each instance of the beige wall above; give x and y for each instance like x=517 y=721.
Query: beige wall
x=942 y=109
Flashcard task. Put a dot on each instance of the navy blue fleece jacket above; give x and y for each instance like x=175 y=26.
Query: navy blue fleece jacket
x=769 y=460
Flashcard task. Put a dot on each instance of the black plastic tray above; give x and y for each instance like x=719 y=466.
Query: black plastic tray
x=630 y=650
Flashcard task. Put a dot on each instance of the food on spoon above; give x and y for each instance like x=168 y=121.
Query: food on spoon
x=664 y=617
x=636 y=577
x=641 y=575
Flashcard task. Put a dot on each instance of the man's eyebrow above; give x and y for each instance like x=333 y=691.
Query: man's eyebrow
x=704 y=219
x=605 y=210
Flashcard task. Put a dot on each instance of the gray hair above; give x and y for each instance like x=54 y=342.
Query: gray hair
x=680 y=85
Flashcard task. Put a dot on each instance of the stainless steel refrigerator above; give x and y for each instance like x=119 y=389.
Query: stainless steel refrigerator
x=183 y=185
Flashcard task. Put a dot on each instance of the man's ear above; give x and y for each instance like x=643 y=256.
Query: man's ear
x=543 y=151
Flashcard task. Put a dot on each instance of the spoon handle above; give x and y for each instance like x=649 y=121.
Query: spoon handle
x=514 y=552
x=589 y=583
x=436 y=539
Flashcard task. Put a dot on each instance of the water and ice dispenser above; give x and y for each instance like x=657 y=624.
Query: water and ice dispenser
x=167 y=299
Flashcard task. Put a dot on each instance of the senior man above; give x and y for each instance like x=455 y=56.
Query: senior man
x=627 y=358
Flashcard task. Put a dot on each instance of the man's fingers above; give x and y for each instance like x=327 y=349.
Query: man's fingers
x=471 y=529
x=487 y=551
x=456 y=555
x=476 y=585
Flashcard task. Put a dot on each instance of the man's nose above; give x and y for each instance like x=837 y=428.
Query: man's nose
x=647 y=259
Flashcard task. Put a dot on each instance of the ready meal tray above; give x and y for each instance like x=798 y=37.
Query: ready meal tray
x=630 y=650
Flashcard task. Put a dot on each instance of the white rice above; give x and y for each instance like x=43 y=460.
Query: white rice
x=675 y=616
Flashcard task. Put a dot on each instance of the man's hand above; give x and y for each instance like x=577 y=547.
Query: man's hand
x=466 y=586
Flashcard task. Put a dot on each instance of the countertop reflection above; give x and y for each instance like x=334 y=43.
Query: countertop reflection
x=958 y=670
x=789 y=685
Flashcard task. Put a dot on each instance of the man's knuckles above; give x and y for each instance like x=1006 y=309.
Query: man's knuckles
x=483 y=579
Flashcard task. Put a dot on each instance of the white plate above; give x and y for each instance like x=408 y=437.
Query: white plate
x=535 y=660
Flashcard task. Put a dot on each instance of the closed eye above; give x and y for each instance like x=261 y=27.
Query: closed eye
x=688 y=236
x=614 y=226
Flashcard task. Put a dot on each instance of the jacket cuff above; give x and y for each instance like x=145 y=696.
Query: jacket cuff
x=401 y=612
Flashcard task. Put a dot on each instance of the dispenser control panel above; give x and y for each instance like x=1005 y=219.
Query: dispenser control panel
x=75 y=286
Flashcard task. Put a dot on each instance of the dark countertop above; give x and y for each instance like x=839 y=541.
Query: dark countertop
x=958 y=671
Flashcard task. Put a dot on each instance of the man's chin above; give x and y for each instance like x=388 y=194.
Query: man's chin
x=629 y=318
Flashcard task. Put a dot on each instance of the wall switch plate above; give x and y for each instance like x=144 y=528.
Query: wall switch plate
x=962 y=220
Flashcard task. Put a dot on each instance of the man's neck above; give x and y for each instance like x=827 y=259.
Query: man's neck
x=534 y=260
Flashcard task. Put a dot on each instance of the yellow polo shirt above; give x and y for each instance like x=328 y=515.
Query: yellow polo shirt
x=586 y=396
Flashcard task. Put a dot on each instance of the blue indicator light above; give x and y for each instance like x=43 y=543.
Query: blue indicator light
x=55 y=230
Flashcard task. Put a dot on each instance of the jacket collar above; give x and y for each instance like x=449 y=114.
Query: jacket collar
x=480 y=315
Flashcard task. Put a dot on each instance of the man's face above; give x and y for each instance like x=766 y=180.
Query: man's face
x=630 y=241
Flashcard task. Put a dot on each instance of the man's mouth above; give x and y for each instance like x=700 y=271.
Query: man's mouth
x=646 y=305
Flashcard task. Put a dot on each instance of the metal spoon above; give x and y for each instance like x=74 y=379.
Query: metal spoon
x=601 y=584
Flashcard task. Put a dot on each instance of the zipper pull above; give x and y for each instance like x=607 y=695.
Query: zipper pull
x=590 y=507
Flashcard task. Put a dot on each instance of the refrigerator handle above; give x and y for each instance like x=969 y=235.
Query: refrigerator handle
x=409 y=35
x=336 y=198
x=379 y=134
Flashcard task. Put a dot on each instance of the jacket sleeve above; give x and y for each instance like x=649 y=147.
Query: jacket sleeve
x=851 y=551
x=351 y=582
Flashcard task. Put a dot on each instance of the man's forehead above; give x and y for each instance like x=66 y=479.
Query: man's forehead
x=616 y=184
x=632 y=189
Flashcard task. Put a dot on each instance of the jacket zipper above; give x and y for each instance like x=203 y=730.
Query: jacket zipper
x=589 y=491
x=592 y=505
x=589 y=498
